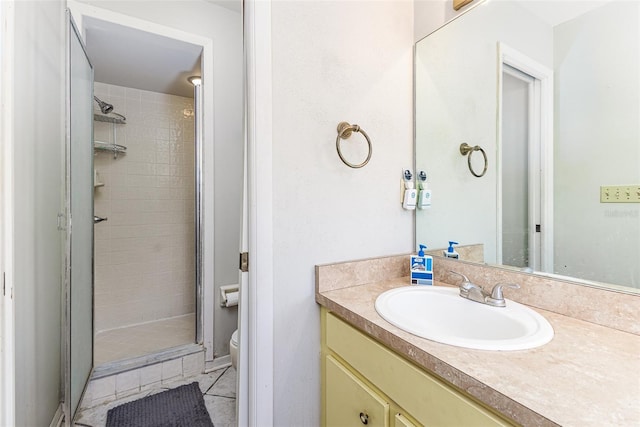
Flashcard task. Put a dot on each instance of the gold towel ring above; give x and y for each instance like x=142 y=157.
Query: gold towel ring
x=467 y=150
x=344 y=131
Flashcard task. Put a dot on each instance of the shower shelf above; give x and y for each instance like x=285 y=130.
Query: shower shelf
x=110 y=118
x=108 y=146
x=114 y=119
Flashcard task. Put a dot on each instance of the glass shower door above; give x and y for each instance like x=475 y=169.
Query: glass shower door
x=79 y=243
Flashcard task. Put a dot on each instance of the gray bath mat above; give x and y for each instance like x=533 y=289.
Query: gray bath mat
x=179 y=407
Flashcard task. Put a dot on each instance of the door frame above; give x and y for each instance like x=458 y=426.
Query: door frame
x=7 y=331
x=255 y=380
x=205 y=295
x=519 y=61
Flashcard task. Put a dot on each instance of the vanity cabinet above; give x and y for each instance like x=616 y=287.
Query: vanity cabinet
x=350 y=400
x=365 y=383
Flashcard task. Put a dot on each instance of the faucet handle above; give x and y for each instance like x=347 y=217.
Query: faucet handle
x=496 y=292
x=466 y=286
x=465 y=278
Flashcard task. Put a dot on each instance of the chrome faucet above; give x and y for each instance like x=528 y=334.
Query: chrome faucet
x=475 y=293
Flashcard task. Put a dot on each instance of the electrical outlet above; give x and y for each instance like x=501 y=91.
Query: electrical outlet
x=620 y=194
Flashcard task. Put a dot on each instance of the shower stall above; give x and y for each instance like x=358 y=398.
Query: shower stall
x=145 y=209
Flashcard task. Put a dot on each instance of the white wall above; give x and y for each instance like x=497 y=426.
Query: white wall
x=332 y=62
x=38 y=144
x=456 y=102
x=224 y=27
x=597 y=77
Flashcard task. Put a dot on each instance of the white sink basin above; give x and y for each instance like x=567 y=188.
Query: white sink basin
x=440 y=314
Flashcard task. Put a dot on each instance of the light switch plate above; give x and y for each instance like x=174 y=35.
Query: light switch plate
x=620 y=194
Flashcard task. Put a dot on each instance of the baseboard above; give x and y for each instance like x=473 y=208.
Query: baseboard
x=217 y=363
x=58 y=417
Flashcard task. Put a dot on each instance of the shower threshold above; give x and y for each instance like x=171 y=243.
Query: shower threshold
x=119 y=366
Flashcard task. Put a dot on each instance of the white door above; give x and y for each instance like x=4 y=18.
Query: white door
x=79 y=244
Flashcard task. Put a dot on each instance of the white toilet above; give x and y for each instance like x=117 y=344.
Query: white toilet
x=233 y=349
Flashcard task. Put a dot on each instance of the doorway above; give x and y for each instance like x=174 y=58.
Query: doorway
x=222 y=134
x=152 y=291
x=525 y=153
x=147 y=243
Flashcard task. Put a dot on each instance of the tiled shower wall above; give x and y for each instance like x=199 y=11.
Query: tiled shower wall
x=144 y=253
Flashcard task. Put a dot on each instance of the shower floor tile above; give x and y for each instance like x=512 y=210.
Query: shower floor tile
x=138 y=340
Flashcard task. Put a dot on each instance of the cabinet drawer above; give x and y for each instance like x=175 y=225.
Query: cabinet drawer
x=349 y=401
x=428 y=399
x=402 y=421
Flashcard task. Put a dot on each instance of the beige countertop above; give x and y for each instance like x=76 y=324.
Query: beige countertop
x=588 y=375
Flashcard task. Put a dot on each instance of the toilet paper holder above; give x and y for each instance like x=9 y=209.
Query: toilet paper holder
x=229 y=295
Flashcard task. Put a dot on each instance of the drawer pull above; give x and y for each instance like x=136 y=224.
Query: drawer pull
x=364 y=418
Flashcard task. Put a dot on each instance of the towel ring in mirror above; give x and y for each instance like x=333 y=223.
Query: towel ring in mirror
x=467 y=150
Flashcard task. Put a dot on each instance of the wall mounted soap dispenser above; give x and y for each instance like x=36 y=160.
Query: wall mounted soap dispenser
x=410 y=194
x=424 y=193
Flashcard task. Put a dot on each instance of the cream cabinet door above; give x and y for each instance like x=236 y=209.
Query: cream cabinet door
x=349 y=401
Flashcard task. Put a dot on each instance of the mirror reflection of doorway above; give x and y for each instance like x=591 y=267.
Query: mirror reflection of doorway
x=525 y=157
x=520 y=170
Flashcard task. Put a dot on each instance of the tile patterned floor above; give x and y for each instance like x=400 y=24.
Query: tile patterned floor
x=138 y=340
x=218 y=388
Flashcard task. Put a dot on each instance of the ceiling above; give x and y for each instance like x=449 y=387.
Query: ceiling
x=133 y=58
x=556 y=12
x=234 y=5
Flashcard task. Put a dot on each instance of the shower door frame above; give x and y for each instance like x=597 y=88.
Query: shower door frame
x=204 y=294
x=77 y=285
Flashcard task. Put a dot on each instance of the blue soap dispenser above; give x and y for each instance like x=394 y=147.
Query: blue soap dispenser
x=421 y=268
x=450 y=252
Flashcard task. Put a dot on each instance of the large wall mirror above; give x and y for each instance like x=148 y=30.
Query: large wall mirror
x=551 y=92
